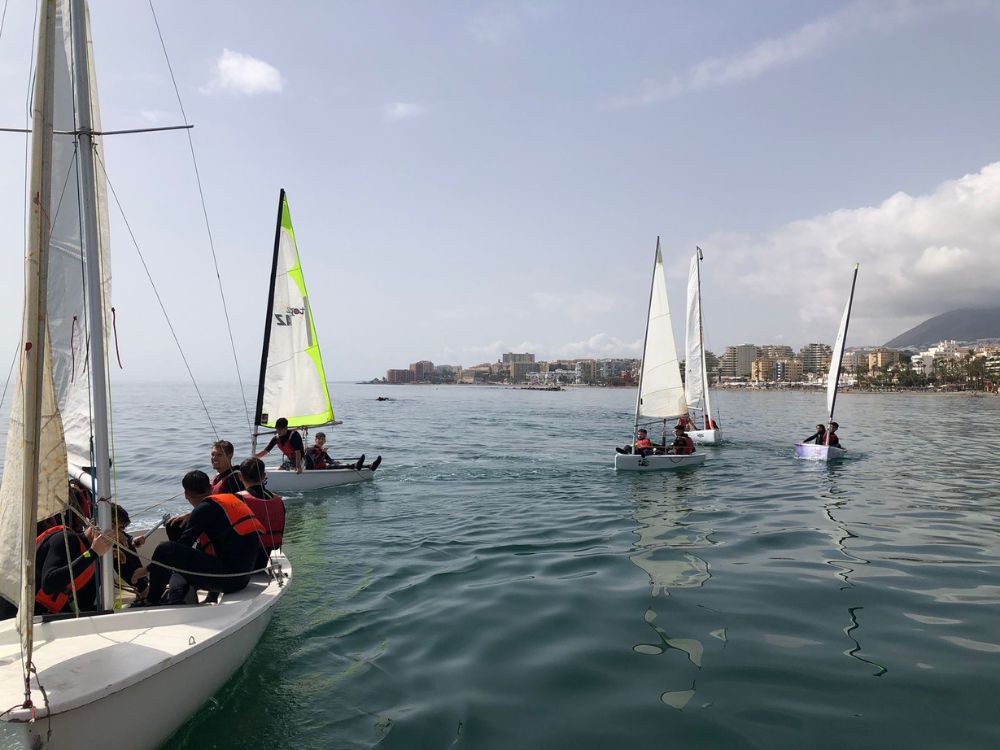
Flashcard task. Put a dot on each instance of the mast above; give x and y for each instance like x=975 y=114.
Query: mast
x=701 y=338
x=645 y=336
x=841 y=341
x=95 y=292
x=267 y=322
x=33 y=353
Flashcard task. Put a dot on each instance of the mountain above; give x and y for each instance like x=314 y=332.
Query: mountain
x=961 y=325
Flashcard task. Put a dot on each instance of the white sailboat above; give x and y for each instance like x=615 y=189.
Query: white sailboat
x=820 y=452
x=292 y=379
x=695 y=369
x=661 y=392
x=118 y=680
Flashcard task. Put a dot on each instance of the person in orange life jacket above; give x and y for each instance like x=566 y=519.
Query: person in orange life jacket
x=228 y=536
x=56 y=575
x=682 y=443
x=317 y=458
x=268 y=507
x=642 y=445
x=819 y=436
x=227 y=479
x=289 y=442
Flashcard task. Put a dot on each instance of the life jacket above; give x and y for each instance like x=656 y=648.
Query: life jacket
x=55 y=604
x=242 y=520
x=643 y=443
x=271 y=514
x=831 y=439
x=286 y=447
x=317 y=458
x=683 y=444
x=222 y=479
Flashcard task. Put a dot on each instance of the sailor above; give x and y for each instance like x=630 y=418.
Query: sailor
x=642 y=445
x=831 y=436
x=819 y=436
x=226 y=479
x=290 y=444
x=268 y=507
x=682 y=443
x=317 y=458
x=228 y=537
x=58 y=577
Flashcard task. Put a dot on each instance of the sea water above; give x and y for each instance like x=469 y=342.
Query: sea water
x=499 y=586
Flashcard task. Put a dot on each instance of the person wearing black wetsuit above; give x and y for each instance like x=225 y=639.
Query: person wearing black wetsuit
x=54 y=572
x=289 y=442
x=682 y=445
x=228 y=537
x=819 y=436
x=227 y=478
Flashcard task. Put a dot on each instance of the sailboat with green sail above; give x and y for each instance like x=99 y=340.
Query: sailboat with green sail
x=292 y=382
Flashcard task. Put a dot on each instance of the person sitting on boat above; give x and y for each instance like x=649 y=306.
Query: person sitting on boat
x=831 y=436
x=227 y=479
x=228 y=539
x=682 y=443
x=819 y=436
x=56 y=576
x=289 y=442
x=317 y=458
x=642 y=445
x=267 y=506
x=685 y=423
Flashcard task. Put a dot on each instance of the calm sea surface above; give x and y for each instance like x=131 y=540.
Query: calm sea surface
x=499 y=586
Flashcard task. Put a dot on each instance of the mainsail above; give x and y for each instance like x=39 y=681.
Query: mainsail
x=292 y=379
x=65 y=433
x=695 y=371
x=661 y=392
x=837 y=356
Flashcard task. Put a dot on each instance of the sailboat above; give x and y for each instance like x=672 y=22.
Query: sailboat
x=292 y=379
x=695 y=369
x=822 y=452
x=115 y=679
x=661 y=392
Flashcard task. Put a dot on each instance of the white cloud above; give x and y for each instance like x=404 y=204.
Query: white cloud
x=574 y=306
x=497 y=22
x=920 y=256
x=154 y=116
x=237 y=73
x=600 y=345
x=404 y=110
x=808 y=40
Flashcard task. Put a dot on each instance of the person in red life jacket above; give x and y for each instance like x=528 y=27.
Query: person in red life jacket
x=682 y=443
x=228 y=537
x=642 y=445
x=289 y=442
x=831 y=436
x=317 y=458
x=268 y=507
x=819 y=436
x=685 y=423
x=56 y=576
x=226 y=479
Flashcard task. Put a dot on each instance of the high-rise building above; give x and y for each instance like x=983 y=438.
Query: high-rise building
x=586 y=371
x=510 y=358
x=737 y=362
x=519 y=371
x=788 y=370
x=422 y=370
x=398 y=376
x=775 y=352
x=881 y=358
x=815 y=357
x=761 y=369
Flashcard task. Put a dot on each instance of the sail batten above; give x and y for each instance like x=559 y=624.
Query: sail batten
x=293 y=379
x=661 y=392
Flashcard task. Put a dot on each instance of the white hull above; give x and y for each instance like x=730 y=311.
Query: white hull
x=705 y=437
x=279 y=480
x=129 y=680
x=812 y=452
x=635 y=462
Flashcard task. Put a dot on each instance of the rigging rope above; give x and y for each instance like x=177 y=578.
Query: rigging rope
x=208 y=226
x=156 y=292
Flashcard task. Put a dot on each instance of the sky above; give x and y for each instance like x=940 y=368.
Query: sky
x=469 y=178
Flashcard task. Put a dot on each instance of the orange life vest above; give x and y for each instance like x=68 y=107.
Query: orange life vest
x=643 y=443
x=271 y=514
x=55 y=604
x=241 y=519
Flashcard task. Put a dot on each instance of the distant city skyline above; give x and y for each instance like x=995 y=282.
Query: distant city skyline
x=468 y=179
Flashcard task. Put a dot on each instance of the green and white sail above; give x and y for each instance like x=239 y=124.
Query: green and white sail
x=292 y=380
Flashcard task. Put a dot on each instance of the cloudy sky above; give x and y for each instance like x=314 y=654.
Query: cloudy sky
x=467 y=178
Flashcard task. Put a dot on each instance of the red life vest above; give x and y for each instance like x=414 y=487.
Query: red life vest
x=241 y=519
x=271 y=514
x=688 y=445
x=286 y=447
x=55 y=604
x=318 y=457
x=643 y=443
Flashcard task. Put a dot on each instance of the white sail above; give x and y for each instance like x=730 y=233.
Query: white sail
x=293 y=381
x=694 y=370
x=832 y=381
x=661 y=392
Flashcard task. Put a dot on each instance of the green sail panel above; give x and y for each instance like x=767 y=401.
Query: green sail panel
x=293 y=383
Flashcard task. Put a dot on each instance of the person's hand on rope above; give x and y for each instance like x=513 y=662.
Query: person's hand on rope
x=101 y=544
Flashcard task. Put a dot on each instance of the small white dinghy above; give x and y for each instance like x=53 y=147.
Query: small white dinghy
x=812 y=451
x=115 y=679
x=292 y=378
x=695 y=369
x=661 y=392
